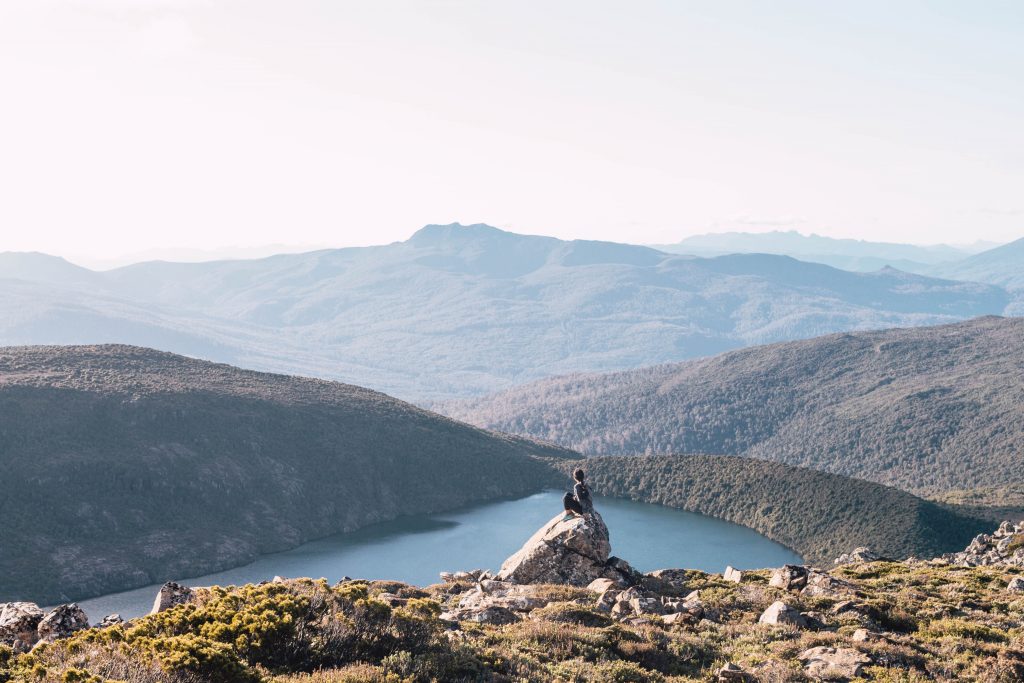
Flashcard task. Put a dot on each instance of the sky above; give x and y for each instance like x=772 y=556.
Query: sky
x=130 y=125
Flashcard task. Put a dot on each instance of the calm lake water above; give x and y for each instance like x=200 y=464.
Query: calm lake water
x=415 y=550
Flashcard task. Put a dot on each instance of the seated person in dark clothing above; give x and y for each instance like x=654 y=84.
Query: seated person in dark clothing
x=577 y=502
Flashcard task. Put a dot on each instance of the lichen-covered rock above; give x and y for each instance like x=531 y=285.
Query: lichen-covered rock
x=731 y=574
x=789 y=577
x=1016 y=585
x=492 y=614
x=781 y=614
x=19 y=623
x=832 y=663
x=856 y=555
x=110 y=620
x=572 y=551
x=61 y=622
x=171 y=595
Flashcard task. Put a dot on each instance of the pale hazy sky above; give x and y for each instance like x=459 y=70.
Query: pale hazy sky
x=132 y=124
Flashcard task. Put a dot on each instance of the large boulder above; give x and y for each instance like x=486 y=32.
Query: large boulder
x=61 y=622
x=573 y=551
x=19 y=623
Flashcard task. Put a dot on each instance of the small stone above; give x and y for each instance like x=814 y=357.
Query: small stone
x=278 y=579
x=734 y=575
x=601 y=585
x=677 y=618
x=781 y=614
x=829 y=663
x=171 y=595
x=862 y=635
x=732 y=672
x=110 y=620
x=1016 y=585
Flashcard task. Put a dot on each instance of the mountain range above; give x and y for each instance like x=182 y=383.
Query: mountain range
x=465 y=310
x=847 y=254
x=924 y=409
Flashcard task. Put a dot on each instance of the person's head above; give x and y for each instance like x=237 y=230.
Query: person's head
x=577 y=474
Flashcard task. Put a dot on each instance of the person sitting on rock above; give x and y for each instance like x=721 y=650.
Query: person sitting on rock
x=582 y=492
x=578 y=501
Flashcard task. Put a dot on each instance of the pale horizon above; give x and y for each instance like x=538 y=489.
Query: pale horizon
x=134 y=126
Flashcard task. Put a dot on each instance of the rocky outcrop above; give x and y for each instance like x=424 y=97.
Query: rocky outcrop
x=62 y=622
x=19 y=622
x=856 y=555
x=23 y=624
x=573 y=551
x=1004 y=547
x=171 y=595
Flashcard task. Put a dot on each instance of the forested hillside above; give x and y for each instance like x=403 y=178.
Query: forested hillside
x=925 y=409
x=465 y=310
x=124 y=466
x=820 y=515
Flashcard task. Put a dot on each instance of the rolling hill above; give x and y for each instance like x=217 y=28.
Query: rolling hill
x=1003 y=266
x=925 y=409
x=124 y=466
x=464 y=310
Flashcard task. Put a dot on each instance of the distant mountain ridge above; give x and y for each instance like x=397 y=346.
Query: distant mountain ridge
x=847 y=254
x=463 y=310
x=924 y=409
x=1003 y=266
x=125 y=466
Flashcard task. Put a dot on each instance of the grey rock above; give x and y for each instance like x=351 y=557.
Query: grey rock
x=734 y=575
x=61 y=622
x=171 y=595
x=781 y=614
x=789 y=577
x=732 y=672
x=856 y=555
x=110 y=620
x=19 y=623
x=1016 y=585
x=487 y=615
x=574 y=551
x=831 y=663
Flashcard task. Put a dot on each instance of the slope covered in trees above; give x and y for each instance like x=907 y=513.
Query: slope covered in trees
x=123 y=466
x=925 y=409
x=820 y=515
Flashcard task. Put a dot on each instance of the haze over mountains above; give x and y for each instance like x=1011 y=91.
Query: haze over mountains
x=463 y=310
x=926 y=409
x=847 y=254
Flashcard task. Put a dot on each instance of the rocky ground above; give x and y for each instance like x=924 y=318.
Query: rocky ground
x=561 y=609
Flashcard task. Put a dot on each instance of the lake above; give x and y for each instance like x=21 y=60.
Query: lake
x=416 y=549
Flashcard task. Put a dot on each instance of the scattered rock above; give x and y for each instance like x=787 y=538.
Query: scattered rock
x=61 y=622
x=19 y=622
x=821 y=584
x=789 y=577
x=863 y=635
x=487 y=615
x=601 y=585
x=781 y=614
x=1016 y=585
x=732 y=672
x=665 y=580
x=678 y=618
x=110 y=620
x=734 y=575
x=606 y=601
x=171 y=595
x=861 y=554
x=829 y=663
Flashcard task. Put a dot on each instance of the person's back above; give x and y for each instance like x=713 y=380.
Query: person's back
x=582 y=492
